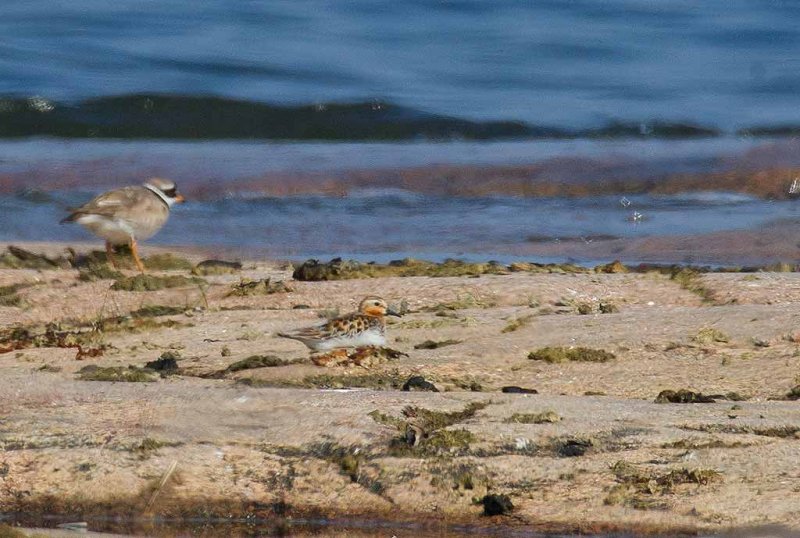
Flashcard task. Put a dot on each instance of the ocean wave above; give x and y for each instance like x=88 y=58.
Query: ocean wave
x=707 y=198
x=201 y=117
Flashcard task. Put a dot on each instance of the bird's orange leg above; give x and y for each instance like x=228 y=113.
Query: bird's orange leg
x=135 y=254
x=110 y=255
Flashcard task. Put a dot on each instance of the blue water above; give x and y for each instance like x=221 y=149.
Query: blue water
x=246 y=104
x=563 y=63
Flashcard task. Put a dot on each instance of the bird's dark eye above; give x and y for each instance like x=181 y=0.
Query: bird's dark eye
x=170 y=192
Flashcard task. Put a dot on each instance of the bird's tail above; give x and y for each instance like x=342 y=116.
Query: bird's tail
x=72 y=217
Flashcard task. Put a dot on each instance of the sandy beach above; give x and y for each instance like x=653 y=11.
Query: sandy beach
x=278 y=436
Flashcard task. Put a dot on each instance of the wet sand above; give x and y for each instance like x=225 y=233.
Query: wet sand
x=591 y=451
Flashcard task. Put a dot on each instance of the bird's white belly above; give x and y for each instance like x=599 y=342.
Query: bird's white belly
x=367 y=338
x=115 y=231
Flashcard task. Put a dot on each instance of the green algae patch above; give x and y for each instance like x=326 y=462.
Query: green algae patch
x=339 y=269
x=260 y=361
x=19 y=258
x=428 y=419
x=710 y=335
x=7 y=531
x=446 y=440
x=461 y=302
x=167 y=262
x=91 y=265
x=146 y=282
x=517 y=323
x=692 y=280
x=547 y=268
x=148 y=444
x=49 y=335
x=99 y=271
x=130 y=374
x=423 y=432
x=793 y=394
x=570 y=354
x=386 y=420
x=545 y=417
x=645 y=489
x=154 y=311
x=391 y=380
x=9 y=295
x=700 y=444
x=265 y=286
x=614 y=267
x=216 y=267
x=654 y=482
x=471 y=384
x=780 y=432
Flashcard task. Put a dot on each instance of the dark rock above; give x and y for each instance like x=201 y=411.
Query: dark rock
x=431 y=344
x=572 y=448
x=513 y=389
x=419 y=383
x=313 y=270
x=683 y=396
x=166 y=363
x=497 y=505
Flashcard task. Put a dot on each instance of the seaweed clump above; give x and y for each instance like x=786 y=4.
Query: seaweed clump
x=167 y=262
x=50 y=335
x=691 y=280
x=9 y=296
x=638 y=487
x=534 y=418
x=391 y=380
x=131 y=374
x=709 y=335
x=570 y=354
x=432 y=344
x=339 y=269
x=19 y=258
x=424 y=432
x=517 y=323
x=264 y=286
x=146 y=282
x=216 y=267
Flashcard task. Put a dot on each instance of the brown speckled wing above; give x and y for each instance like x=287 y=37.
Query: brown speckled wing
x=343 y=326
x=352 y=324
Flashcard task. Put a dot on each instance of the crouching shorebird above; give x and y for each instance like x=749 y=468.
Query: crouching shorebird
x=367 y=327
x=125 y=216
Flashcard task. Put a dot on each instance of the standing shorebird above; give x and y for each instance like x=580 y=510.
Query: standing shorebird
x=125 y=216
x=367 y=327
